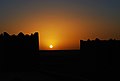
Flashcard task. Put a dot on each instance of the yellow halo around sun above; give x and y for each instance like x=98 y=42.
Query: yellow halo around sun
x=51 y=46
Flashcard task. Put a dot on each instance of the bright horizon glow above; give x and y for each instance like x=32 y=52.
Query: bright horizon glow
x=51 y=46
x=62 y=23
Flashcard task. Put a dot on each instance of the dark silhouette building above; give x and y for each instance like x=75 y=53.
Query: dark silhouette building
x=97 y=56
x=18 y=52
x=97 y=44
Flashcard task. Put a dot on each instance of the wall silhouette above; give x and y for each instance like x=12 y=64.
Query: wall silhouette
x=18 y=51
x=97 y=44
x=97 y=56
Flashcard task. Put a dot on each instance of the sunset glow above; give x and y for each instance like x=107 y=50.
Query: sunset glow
x=61 y=22
x=51 y=46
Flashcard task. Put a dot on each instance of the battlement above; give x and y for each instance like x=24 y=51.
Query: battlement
x=20 y=34
x=18 y=52
x=20 y=41
x=98 y=44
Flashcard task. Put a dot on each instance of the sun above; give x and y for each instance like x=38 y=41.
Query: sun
x=51 y=46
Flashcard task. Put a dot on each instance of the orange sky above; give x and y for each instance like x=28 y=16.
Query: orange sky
x=62 y=27
x=62 y=30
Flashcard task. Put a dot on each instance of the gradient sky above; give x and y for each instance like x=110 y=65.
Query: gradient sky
x=61 y=23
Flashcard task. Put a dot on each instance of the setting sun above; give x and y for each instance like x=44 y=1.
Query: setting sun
x=51 y=46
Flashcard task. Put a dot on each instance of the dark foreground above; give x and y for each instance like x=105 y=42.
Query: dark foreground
x=63 y=65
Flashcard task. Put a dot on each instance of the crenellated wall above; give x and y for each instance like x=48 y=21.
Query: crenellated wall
x=18 y=50
x=19 y=42
x=99 y=55
x=98 y=44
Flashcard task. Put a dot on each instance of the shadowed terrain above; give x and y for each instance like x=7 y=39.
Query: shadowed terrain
x=21 y=60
